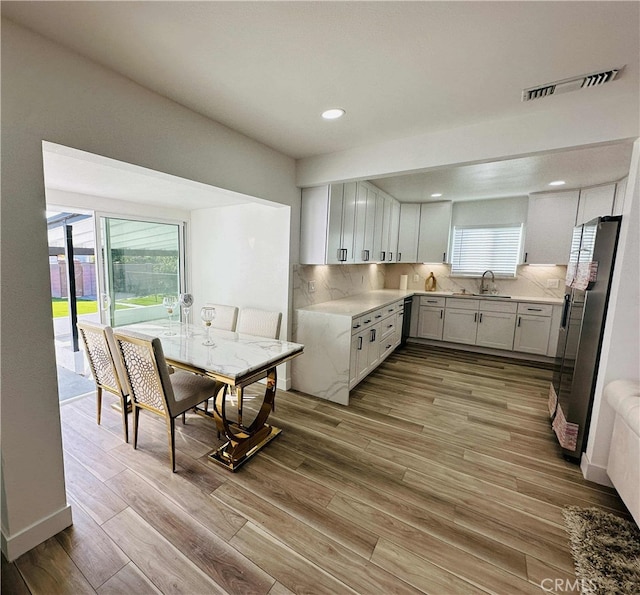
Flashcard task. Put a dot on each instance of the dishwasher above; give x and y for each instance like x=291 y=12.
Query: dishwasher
x=406 y=320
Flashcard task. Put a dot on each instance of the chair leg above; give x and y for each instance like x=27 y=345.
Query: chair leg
x=136 y=417
x=98 y=403
x=172 y=443
x=125 y=420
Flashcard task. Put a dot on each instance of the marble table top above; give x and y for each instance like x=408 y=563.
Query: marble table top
x=233 y=356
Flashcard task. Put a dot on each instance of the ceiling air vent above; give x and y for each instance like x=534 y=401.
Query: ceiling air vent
x=572 y=84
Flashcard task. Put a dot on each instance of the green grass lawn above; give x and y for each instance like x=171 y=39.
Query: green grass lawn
x=60 y=307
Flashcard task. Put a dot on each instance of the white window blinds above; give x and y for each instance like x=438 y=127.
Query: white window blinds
x=478 y=249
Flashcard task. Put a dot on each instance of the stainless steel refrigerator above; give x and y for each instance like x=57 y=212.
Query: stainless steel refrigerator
x=589 y=272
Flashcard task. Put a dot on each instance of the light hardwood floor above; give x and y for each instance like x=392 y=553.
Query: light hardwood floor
x=442 y=476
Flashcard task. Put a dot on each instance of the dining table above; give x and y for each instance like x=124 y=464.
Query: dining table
x=237 y=360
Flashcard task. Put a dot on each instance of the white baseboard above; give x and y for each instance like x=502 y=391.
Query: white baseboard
x=14 y=546
x=594 y=473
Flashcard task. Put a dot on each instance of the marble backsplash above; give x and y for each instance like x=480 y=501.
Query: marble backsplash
x=531 y=280
x=333 y=282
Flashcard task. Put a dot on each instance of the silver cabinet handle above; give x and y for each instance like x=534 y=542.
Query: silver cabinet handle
x=390 y=256
x=383 y=255
x=399 y=256
x=365 y=255
x=359 y=343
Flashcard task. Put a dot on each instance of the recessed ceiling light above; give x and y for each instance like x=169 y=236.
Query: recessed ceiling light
x=333 y=114
x=557 y=183
x=436 y=195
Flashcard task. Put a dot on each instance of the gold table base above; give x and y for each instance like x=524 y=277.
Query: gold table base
x=225 y=454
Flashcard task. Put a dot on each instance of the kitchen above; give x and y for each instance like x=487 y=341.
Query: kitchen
x=132 y=124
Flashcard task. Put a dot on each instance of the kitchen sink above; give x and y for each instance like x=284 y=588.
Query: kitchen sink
x=490 y=295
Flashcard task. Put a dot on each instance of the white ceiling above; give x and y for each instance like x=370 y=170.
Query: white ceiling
x=399 y=69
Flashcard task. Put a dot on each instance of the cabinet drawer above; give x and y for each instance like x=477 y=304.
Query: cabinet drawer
x=462 y=303
x=432 y=301
x=361 y=323
x=535 y=309
x=498 y=306
x=387 y=327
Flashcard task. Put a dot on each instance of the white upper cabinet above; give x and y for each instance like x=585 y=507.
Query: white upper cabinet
x=387 y=221
x=365 y=224
x=409 y=226
x=435 y=226
x=327 y=224
x=596 y=201
x=394 y=230
x=550 y=221
x=618 y=201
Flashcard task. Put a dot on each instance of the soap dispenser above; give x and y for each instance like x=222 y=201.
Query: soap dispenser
x=430 y=283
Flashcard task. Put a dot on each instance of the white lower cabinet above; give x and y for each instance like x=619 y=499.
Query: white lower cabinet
x=430 y=317
x=373 y=337
x=460 y=326
x=487 y=323
x=533 y=328
x=495 y=329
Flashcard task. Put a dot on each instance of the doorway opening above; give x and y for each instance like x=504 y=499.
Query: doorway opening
x=72 y=272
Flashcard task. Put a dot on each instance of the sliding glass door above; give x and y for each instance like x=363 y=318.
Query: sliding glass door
x=141 y=262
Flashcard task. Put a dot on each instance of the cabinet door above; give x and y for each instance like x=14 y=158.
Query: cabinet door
x=435 y=225
x=532 y=334
x=408 y=233
x=595 y=202
x=368 y=254
x=355 y=360
x=618 y=200
x=378 y=226
x=371 y=337
x=335 y=248
x=349 y=203
x=550 y=221
x=460 y=326
x=394 y=229
x=496 y=329
x=430 y=323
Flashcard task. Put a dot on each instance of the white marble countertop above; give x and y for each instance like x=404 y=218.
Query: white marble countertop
x=363 y=303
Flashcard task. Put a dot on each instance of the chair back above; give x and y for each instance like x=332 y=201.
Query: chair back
x=226 y=317
x=261 y=323
x=104 y=362
x=146 y=371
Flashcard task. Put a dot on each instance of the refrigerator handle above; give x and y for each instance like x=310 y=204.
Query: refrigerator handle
x=565 y=311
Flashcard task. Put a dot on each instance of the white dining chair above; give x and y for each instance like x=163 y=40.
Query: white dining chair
x=106 y=368
x=226 y=317
x=261 y=323
x=154 y=389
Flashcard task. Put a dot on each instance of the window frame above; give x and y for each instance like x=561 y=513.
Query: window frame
x=514 y=259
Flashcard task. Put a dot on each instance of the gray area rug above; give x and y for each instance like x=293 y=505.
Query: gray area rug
x=606 y=551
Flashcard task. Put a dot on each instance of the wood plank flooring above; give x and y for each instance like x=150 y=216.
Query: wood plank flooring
x=442 y=476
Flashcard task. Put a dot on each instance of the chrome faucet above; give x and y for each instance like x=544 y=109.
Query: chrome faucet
x=483 y=284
